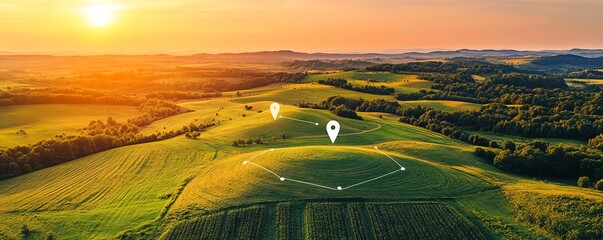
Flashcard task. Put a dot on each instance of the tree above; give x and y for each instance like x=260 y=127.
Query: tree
x=584 y=182
x=599 y=185
x=508 y=145
x=25 y=230
x=596 y=143
x=50 y=236
x=26 y=168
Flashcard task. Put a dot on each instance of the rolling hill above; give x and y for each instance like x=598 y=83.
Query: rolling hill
x=569 y=61
x=181 y=188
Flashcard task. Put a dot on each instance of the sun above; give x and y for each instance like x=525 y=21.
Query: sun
x=100 y=15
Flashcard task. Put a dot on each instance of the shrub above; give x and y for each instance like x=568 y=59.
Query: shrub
x=25 y=230
x=599 y=185
x=584 y=182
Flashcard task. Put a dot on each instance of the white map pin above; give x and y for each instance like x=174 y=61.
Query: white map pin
x=333 y=130
x=274 y=108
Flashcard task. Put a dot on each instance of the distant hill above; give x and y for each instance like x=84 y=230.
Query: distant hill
x=569 y=60
x=289 y=56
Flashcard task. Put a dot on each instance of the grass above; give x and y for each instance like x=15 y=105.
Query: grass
x=443 y=105
x=588 y=81
x=229 y=182
x=105 y=194
x=45 y=120
x=569 y=217
x=102 y=194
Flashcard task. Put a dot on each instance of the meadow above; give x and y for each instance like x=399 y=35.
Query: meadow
x=42 y=121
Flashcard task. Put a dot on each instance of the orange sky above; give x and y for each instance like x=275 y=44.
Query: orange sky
x=192 y=26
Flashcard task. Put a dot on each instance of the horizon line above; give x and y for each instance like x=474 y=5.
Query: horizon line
x=193 y=53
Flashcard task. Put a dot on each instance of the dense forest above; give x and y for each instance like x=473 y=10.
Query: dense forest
x=345 y=65
x=452 y=67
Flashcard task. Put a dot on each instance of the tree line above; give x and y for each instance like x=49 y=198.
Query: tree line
x=21 y=96
x=452 y=67
x=347 y=107
x=342 y=83
x=189 y=79
x=586 y=74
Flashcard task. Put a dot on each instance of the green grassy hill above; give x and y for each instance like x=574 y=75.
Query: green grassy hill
x=229 y=182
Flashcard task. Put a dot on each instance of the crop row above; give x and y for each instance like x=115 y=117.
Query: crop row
x=246 y=223
x=331 y=221
x=327 y=221
x=419 y=221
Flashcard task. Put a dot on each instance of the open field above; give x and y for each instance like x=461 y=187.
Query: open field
x=443 y=105
x=400 y=82
x=589 y=81
x=45 y=120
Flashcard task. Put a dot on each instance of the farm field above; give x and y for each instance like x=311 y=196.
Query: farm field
x=329 y=220
x=589 y=81
x=443 y=105
x=45 y=120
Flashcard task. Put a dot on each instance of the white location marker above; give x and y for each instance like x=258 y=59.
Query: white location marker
x=274 y=108
x=333 y=130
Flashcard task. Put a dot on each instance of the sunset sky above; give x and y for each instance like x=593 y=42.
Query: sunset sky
x=212 y=26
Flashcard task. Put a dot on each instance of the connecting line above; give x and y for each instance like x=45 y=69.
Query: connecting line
x=313 y=184
x=257 y=165
x=339 y=188
x=401 y=168
x=372 y=179
x=299 y=120
x=268 y=170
